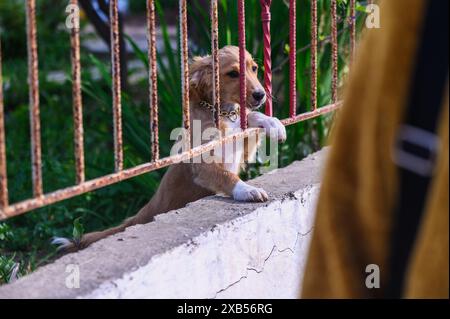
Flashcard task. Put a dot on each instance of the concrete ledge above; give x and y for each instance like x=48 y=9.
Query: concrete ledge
x=213 y=248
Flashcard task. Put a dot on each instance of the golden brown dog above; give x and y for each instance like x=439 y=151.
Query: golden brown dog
x=187 y=182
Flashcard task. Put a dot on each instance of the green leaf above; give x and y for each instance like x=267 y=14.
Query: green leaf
x=137 y=51
x=78 y=229
x=287 y=48
x=360 y=8
x=5 y=232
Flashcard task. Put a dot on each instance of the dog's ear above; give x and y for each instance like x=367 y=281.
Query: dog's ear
x=200 y=73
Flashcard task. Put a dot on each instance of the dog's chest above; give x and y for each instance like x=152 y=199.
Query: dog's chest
x=233 y=164
x=235 y=151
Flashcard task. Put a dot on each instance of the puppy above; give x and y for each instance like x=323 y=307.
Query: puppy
x=187 y=182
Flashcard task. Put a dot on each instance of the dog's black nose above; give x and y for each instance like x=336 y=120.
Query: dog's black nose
x=259 y=95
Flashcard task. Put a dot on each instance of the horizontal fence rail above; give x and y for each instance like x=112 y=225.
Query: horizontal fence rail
x=82 y=185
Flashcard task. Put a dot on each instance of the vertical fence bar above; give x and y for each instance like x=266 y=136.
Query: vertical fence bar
x=3 y=173
x=242 y=63
x=265 y=19
x=153 y=79
x=33 y=82
x=352 y=21
x=334 y=52
x=313 y=55
x=116 y=89
x=215 y=60
x=77 y=98
x=292 y=57
x=184 y=68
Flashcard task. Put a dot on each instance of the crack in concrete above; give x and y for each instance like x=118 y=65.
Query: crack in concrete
x=292 y=250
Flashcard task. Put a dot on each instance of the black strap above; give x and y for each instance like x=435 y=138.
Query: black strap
x=417 y=143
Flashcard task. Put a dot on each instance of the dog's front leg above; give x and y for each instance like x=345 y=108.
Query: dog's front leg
x=273 y=126
x=217 y=179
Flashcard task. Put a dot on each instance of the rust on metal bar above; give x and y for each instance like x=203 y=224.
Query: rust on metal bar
x=185 y=69
x=24 y=206
x=215 y=60
x=3 y=172
x=352 y=22
x=33 y=82
x=77 y=100
x=116 y=89
x=334 y=52
x=153 y=78
x=309 y=115
x=292 y=58
x=242 y=64
x=51 y=198
x=313 y=54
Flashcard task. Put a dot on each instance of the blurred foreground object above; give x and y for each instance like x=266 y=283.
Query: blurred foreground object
x=371 y=219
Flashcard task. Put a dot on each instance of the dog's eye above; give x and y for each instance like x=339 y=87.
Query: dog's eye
x=255 y=68
x=233 y=74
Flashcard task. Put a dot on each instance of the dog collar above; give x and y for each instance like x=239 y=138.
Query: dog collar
x=231 y=115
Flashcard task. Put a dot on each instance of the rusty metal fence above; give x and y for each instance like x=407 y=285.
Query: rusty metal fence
x=82 y=185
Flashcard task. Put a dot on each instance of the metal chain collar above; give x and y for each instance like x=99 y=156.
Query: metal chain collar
x=231 y=115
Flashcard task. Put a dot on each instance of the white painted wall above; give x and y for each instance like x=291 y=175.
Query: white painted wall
x=213 y=248
x=259 y=255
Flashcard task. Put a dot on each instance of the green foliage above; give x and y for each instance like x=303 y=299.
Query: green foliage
x=7 y=269
x=51 y=32
x=5 y=232
x=78 y=229
x=7 y=264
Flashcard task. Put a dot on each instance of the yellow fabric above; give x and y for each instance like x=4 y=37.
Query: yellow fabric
x=354 y=214
x=428 y=273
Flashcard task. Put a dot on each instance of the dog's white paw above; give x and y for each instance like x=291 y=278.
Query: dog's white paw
x=247 y=193
x=273 y=126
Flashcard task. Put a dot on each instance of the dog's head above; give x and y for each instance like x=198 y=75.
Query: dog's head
x=201 y=82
